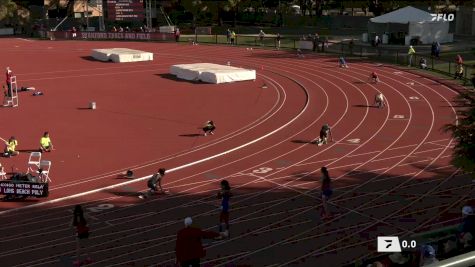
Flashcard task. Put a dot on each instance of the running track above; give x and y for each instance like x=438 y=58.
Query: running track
x=397 y=180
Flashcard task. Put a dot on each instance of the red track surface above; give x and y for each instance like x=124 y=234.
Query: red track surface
x=396 y=181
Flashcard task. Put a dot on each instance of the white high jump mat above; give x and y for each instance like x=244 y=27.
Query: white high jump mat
x=121 y=55
x=212 y=73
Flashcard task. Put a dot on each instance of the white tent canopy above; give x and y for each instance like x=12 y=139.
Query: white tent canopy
x=413 y=23
x=404 y=15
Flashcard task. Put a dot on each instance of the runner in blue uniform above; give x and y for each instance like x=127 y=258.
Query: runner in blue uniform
x=225 y=196
x=327 y=192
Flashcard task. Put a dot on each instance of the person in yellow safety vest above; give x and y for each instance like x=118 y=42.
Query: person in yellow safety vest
x=459 y=71
x=233 y=38
x=45 y=143
x=411 y=54
x=10 y=147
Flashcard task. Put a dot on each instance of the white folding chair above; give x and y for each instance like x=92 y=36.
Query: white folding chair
x=3 y=174
x=34 y=161
x=43 y=171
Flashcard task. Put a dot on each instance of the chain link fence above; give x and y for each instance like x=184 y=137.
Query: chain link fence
x=398 y=56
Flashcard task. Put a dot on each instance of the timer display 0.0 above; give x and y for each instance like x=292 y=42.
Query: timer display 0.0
x=408 y=244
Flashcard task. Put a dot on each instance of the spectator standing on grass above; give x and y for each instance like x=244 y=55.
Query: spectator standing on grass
x=324 y=43
x=82 y=234
x=189 y=249
x=411 y=54
x=233 y=38
x=228 y=36
x=177 y=35
x=376 y=41
x=423 y=63
x=459 y=71
x=224 y=195
x=432 y=49
x=153 y=182
x=261 y=37
x=277 y=41
x=437 y=49
x=316 y=39
x=327 y=192
x=459 y=60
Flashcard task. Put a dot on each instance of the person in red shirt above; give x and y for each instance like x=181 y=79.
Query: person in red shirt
x=459 y=60
x=374 y=77
x=189 y=249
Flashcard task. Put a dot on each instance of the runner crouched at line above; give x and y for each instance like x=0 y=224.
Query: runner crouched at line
x=342 y=62
x=379 y=100
x=374 y=77
x=209 y=128
x=325 y=132
x=152 y=183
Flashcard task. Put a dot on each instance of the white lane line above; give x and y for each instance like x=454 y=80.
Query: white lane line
x=26 y=40
x=170 y=170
